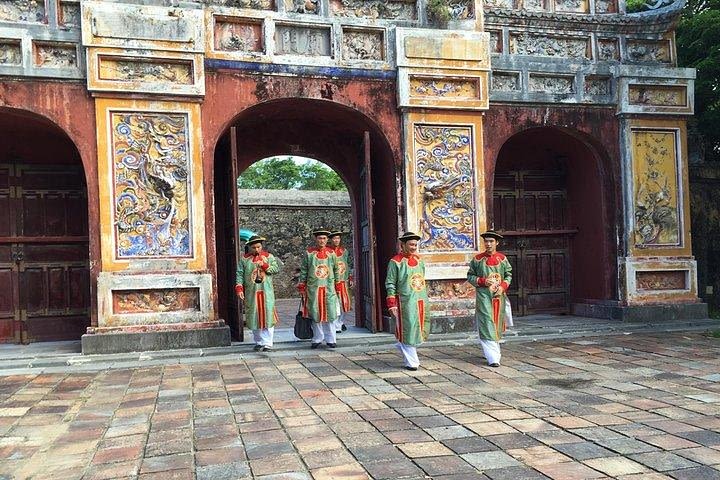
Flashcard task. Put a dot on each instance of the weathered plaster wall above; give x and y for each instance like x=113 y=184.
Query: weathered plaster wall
x=287 y=219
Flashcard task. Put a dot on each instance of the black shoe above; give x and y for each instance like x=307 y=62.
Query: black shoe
x=332 y=345
x=338 y=331
x=494 y=365
x=412 y=369
x=314 y=345
x=266 y=349
x=257 y=348
x=343 y=328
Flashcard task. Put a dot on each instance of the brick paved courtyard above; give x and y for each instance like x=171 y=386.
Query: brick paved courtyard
x=635 y=407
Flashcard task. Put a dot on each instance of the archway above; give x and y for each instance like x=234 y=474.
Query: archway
x=44 y=253
x=342 y=138
x=550 y=201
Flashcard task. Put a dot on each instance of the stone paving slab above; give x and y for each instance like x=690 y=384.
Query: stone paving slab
x=628 y=407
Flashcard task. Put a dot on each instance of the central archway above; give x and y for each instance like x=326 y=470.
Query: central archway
x=344 y=139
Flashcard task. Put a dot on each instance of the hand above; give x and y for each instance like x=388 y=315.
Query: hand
x=241 y=296
x=394 y=312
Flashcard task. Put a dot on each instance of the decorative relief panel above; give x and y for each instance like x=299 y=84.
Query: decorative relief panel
x=657 y=194
x=461 y=9
x=608 y=49
x=54 y=55
x=450 y=290
x=658 y=95
x=23 y=11
x=649 y=51
x=496 y=42
x=302 y=6
x=150 y=160
x=375 y=9
x=597 y=86
x=506 y=4
x=606 y=6
x=154 y=301
x=140 y=23
x=551 y=84
x=69 y=13
x=238 y=36
x=363 y=45
x=251 y=4
x=572 y=6
x=525 y=44
x=10 y=52
x=505 y=81
x=533 y=5
x=662 y=280
x=144 y=70
x=444 y=176
x=310 y=41
x=444 y=87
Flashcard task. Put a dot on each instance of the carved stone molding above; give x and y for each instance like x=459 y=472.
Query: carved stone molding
x=505 y=81
x=375 y=9
x=444 y=87
x=54 y=55
x=608 y=49
x=151 y=301
x=145 y=70
x=250 y=4
x=363 y=44
x=31 y=11
x=69 y=13
x=649 y=51
x=306 y=41
x=234 y=35
x=597 y=85
x=551 y=84
x=662 y=280
x=496 y=41
x=538 y=45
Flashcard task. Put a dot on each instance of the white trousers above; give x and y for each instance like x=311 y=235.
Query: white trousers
x=508 y=312
x=491 y=350
x=409 y=353
x=340 y=320
x=323 y=331
x=264 y=337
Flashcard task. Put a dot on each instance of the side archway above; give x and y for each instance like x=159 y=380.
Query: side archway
x=550 y=199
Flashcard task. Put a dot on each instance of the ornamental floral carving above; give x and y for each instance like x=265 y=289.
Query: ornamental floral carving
x=10 y=53
x=648 y=52
x=450 y=290
x=32 y=11
x=505 y=82
x=151 y=185
x=238 y=36
x=534 y=5
x=447 y=88
x=608 y=50
x=380 y=9
x=506 y=4
x=495 y=41
x=252 y=4
x=597 y=86
x=575 y=6
x=656 y=188
x=363 y=45
x=525 y=44
x=444 y=176
x=461 y=9
x=146 y=71
x=302 y=41
x=605 y=6
x=50 y=55
x=70 y=13
x=302 y=6
x=662 y=280
x=551 y=84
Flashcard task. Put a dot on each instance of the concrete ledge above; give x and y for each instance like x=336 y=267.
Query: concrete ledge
x=643 y=313
x=164 y=340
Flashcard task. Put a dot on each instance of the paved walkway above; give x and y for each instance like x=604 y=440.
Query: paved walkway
x=622 y=406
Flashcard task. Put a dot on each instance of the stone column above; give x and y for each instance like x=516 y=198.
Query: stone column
x=145 y=68
x=443 y=91
x=658 y=274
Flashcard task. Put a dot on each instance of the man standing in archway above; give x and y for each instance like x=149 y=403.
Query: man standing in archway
x=490 y=273
x=253 y=285
x=407 y=299
x=318 y=274
x=343 y=280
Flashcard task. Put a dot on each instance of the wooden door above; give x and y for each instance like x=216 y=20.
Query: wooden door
x=530 y=210
x=232 y=241
x=371 y=314
x=44 y=252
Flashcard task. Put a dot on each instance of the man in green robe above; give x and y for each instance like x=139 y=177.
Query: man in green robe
x=490 y=273
x=253 y=285
x=318 y=273
x=343 y=281
x=407 y=299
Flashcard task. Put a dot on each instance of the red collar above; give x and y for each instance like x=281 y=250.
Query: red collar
x=263 y=254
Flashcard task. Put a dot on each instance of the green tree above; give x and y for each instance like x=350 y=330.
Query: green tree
x=698 y=46
x=284 y=173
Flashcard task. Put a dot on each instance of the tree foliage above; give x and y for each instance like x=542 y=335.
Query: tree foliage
x=284 y=173
x=698 y=46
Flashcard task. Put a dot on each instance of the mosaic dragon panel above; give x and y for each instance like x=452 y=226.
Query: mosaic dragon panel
x=151 y=186
x=657 y=203
x=153 y=301
x=444 y=175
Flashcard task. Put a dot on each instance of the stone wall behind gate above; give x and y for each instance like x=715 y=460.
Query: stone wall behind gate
x=287 y=218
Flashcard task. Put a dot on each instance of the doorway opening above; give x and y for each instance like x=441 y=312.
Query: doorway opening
x=343 y=139
x=550 y=204
x=44 y=251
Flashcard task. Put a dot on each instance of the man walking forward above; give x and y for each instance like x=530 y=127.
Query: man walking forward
x=343 y=281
